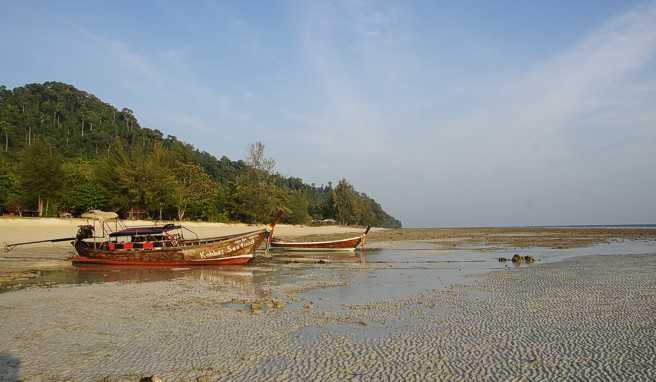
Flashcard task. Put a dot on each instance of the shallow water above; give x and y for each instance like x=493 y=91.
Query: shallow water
x=405 y=270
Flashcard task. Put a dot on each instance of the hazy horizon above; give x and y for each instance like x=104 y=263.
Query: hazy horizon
x=459 y=114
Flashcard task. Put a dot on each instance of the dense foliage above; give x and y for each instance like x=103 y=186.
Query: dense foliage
x=64 y=150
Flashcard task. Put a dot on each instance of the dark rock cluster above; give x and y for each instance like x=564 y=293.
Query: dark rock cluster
x=518 y=259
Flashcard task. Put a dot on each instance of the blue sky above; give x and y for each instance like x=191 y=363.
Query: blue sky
x=449 y=113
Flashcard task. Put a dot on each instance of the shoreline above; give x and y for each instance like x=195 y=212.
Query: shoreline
x=25 y=263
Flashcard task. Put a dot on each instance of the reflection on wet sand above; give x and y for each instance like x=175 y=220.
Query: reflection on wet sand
x=100 y=273
x=239 y=278
x=246 y=281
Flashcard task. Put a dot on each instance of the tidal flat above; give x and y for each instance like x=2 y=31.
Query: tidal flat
x=410 y=310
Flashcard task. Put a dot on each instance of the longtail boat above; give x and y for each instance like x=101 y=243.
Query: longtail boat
x=160 y=245
x=343 y=245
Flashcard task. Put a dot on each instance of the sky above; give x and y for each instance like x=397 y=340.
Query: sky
x=460 y=113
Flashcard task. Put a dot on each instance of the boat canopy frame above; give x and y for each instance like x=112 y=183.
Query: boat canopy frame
x=104 y=218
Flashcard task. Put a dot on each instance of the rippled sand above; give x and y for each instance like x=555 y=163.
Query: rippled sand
x=587 y=318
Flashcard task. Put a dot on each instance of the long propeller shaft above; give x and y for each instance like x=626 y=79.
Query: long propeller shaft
x=8 y=247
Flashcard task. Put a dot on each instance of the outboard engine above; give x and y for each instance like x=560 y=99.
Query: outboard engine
x=84 y=232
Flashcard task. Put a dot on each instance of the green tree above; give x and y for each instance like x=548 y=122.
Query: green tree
x=193 y=189
x=40 y=175
x=121 y=177
x=7 y=184
x=81 y=191
x=255 y=196
x=345 y=203
x=297 y=208
x=158 y=180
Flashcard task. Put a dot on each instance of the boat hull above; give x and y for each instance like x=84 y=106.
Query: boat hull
x=229 y=250
x=303 y=249
x=234 y=260
x=344 y=245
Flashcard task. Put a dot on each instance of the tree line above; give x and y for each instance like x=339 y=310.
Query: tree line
x=64 y=150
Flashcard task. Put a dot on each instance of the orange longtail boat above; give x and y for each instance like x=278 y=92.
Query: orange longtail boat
x=343 y=245
x=162 y=245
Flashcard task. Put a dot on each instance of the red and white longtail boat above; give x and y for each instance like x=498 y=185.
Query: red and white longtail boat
x=343 y=245
x=159 y=245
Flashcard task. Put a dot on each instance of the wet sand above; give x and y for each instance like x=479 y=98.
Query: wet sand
x=586 y=318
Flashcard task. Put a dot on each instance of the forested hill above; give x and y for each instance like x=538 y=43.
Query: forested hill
x=65 y=150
